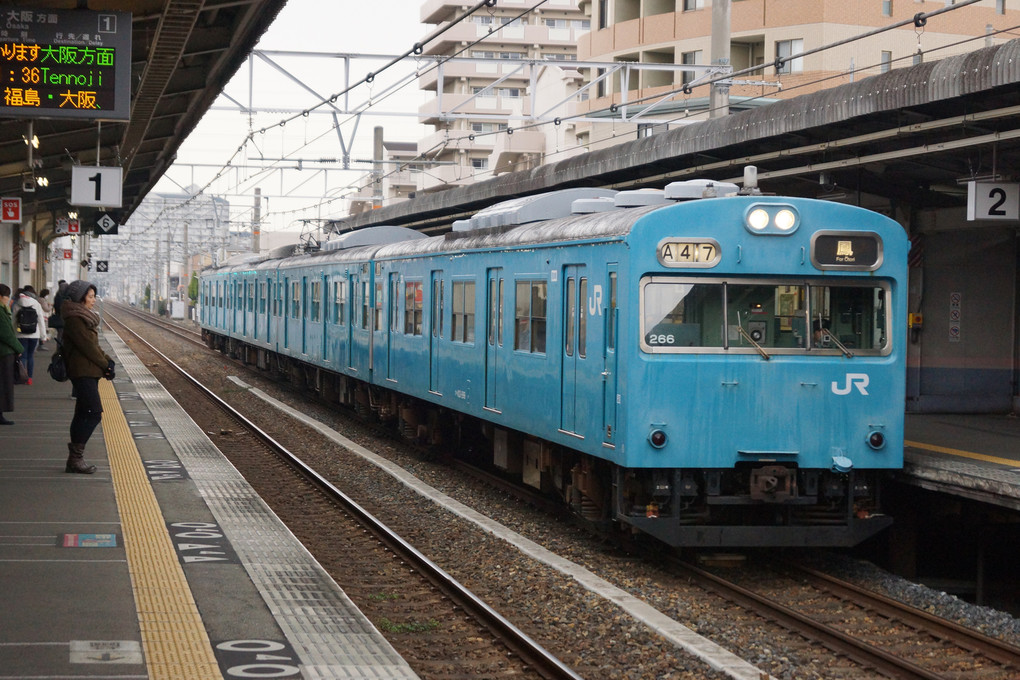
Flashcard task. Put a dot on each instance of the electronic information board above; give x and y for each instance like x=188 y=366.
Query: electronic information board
x=65 y=64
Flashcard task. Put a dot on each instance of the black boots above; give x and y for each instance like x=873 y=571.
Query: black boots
x=76 y=460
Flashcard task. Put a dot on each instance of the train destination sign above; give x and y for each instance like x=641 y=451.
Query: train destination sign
x=65 y=64
x=846 y=250
x=694 y=252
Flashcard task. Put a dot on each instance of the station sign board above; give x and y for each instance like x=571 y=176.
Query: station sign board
x=65 y=64
x=10 y=209
x=993 y=201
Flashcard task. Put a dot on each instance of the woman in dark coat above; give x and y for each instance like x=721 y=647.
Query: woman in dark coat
x=10 y=349
x=86 y=364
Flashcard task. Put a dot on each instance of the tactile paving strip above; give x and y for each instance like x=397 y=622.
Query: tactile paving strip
x=173 y=635
x=330 y=635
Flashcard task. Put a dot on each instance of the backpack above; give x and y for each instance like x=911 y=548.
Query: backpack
x=57 y=368
x=28 y=320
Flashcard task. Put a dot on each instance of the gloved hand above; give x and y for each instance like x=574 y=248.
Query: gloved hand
x=109 y=373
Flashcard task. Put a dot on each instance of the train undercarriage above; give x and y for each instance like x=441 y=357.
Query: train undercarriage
x=751 y=504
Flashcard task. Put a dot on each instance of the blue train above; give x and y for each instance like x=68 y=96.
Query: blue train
x=705 y=366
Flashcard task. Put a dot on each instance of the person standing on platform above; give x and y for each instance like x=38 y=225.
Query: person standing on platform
x=86 y=364
x=58 y=299
x=28 y=321
x=47 y=312
x=10 y=350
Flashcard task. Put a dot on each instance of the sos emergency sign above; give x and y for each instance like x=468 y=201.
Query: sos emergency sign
x=10 y=210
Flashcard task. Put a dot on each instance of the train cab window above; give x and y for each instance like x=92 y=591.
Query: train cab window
x=764 y=316
x=316 y=306
x=413 y=308
x=530 y=316
x=683 y=314
x=855 y=317
x=295 y=300
x=463 y=313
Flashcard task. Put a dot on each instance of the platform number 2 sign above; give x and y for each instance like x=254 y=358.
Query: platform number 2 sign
x=993 y=201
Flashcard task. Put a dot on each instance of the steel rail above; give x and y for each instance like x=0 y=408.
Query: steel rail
x=543 y=661
x=992 y=648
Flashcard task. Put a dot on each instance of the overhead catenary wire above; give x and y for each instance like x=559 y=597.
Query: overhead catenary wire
x=418 y=47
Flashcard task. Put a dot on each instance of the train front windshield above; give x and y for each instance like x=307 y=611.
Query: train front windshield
x=782 y=317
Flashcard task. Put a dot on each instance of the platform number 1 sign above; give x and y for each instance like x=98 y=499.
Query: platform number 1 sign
x=95 y=185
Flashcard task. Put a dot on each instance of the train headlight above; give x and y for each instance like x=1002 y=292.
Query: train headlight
x=657 y=438
x=772 y=218
x=876 y=440
x=758 y=219
x=785 y=220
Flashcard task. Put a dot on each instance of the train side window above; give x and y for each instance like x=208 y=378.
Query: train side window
x=316 y=300
x=437 y=305
x=582 y=320
x=340 y=302
x=463 y=313
x=611 y=331
x=413 y=307
x=378 y=306
x=395 y=303
x=251 y=296
x=365 y=300
x=295 y=300
x=262 y=297
x=530 y=316
x=571 y=314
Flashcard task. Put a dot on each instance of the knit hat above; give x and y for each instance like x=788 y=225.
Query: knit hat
x=77 y=290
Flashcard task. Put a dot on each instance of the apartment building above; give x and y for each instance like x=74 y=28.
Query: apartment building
x=502 y=57
x=671 y=32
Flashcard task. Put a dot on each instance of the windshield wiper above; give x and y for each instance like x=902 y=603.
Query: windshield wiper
x=842 y=347
x=747 y=336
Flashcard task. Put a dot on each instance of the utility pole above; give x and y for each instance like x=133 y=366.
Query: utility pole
x=155 y=289
x=719 y=97
x=256 y=222
x=377 y=168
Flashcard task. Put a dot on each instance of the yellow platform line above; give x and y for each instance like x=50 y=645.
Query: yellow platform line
x=963 y=454
x=173 y=636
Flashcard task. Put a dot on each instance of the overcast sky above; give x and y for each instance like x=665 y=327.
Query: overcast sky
x=341 y=26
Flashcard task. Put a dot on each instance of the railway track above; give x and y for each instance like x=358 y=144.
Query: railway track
x=884 y=640
x=874 y=631
x=412 y=595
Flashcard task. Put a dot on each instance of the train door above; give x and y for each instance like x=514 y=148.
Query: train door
x=322 y=311
x=493 y=335
x=285 y=312
x=575 y=345
x=304 y=311
x=437 y=330
x=606 y=300
x=392 y=323
x=352 y=286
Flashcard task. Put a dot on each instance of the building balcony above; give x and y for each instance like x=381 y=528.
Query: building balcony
x=446 y=177
x=517 y=37
x=494 y=107
x=510 y=149
x=454 y=140
x=482 y=71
